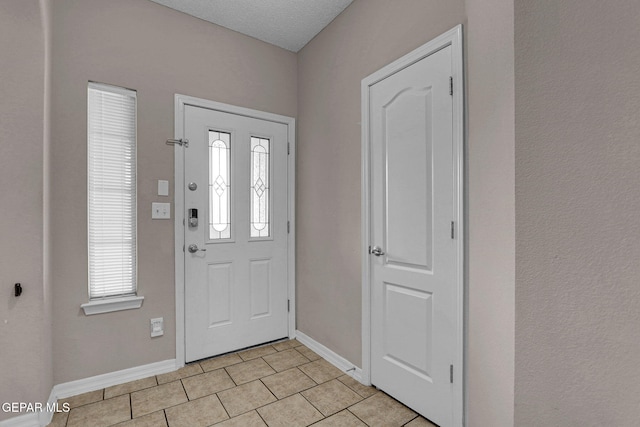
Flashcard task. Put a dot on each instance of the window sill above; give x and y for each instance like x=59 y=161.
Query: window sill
x=112 y=304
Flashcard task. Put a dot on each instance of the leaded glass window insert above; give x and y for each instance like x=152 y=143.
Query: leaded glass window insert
x=219 y=185
x=260 y=187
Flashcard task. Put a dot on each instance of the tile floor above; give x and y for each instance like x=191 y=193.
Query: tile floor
x=283 y=384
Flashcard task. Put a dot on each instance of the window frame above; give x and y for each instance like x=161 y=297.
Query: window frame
x=115 y=301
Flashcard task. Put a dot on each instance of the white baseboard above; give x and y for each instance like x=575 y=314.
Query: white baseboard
x=26 y=420
x=46 y=416
x=330 y=356
x=85 y=385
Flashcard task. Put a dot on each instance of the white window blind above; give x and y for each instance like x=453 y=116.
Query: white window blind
x=111 y=191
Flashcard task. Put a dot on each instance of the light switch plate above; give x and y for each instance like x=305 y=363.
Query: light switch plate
x=163 y=187
x=160 y=210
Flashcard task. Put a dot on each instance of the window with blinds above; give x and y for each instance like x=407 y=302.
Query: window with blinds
x=111 y=191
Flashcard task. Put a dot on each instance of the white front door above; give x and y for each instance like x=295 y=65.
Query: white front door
x=235 y=198
x=413 y=252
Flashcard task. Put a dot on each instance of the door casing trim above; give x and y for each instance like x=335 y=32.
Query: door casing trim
x=180 y=102
x=454 y=39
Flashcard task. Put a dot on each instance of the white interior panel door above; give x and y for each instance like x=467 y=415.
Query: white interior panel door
x=413 y=265
x=235 y=232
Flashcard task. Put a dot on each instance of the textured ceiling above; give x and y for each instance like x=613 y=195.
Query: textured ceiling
x=290 y=24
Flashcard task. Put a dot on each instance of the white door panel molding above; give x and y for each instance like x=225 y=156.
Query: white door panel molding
x=413 y=245
x=235 y=228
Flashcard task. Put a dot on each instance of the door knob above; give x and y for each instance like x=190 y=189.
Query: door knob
x=377 y=251
x=193 y=248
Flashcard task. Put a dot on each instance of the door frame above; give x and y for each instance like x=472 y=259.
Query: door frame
x=454 y=39
x=180 y=102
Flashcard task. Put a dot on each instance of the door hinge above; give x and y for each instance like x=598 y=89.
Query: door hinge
x=288 y=306
x=451 y=85
x=451 y=373
x=288 y=148
x=288 y=227
x=453 y=230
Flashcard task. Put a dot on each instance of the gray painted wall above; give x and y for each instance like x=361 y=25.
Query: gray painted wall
x=491 y=212
x=577 y=75
x=365 y=37
x=25 y=326
x=159 y=52
x=569 y=176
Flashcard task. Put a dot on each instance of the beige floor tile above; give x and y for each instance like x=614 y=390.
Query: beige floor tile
x=207 y=383
x=59 y=419
x=331 y=397
x=420 y=422
x=250 y=404
x=285 y=345
x=382 y=410
x=321 y=371
x=220 y=362
x=294 y=411
x=357 y=386
x=155 y=419
x=130 y=387
x=245 y=397
x=187 y=371
x=197 y=413
x=82 y=399
x=250 y=419
x=288 y=382
x=103 y=413
x=256 y=352
x=144 y=402
x=285 y=359
x=308 y=353
x=341 y=419
x=248 y=371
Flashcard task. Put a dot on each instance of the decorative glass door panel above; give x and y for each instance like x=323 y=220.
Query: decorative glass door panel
x=260 y=201
x=219 y=185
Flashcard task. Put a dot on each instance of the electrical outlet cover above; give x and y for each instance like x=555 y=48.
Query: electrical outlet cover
x=157 y=327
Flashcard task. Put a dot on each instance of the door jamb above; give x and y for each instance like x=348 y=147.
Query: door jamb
x=454 y=39
x=180 y=102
